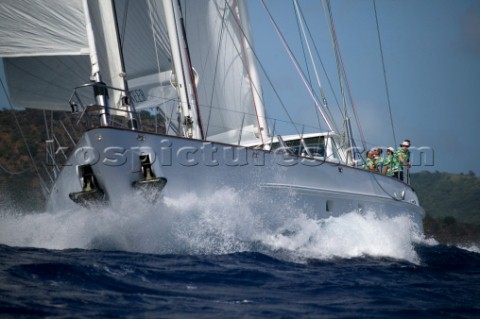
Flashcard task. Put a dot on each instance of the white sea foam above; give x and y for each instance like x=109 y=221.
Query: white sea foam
x=225 y=222
x=347 y=236
x=471 y=248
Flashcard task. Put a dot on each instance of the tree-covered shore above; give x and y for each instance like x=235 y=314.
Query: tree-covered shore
x=452 y=206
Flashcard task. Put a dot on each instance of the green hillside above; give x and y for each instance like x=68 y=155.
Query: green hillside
x=452 y=205
x=444 y=194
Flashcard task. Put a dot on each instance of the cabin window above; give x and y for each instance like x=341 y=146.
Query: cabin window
x=316 y=146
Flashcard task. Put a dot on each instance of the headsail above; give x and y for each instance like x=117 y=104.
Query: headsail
x=217 y=37
x=147 y=53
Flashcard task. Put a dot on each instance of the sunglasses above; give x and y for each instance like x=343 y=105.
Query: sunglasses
x=405 y=145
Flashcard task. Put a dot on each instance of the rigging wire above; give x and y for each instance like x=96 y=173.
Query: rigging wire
x=42 y=182
x=321 y=61
x=269 y=80
x=341 y=70
x=47 y=131
x=124 y=26
x=301 y=22
x=384 y=72
x=60 y=85
x=289 y=52
x=333 y=36
x=212 y=96
x=152 y=7
x=300 y=28
x=6 y=170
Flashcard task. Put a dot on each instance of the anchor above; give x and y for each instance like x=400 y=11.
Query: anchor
x=91 y=194
x=150 y=185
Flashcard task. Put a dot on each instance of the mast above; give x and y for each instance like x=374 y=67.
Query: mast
x=184 y=75
x=113 y=64
x=101 y=95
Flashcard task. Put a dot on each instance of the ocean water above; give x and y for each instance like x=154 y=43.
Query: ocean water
x=217 y=258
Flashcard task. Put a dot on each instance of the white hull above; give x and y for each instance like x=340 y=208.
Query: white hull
x=319 y=189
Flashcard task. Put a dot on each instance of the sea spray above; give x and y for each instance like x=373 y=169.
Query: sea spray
x=347 y=236
x=471 y=248
x=225 y=222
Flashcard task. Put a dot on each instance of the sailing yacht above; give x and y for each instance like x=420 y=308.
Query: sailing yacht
x=189 y=65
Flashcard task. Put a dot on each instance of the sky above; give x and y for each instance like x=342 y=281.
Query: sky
x=431 y=51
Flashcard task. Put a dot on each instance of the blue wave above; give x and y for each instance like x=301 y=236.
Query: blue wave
x=92 y=283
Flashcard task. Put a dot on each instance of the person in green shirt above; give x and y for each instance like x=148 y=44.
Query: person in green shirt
x=401 y=159
x=377 y=159
x=387 y=168
x=369 y=162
